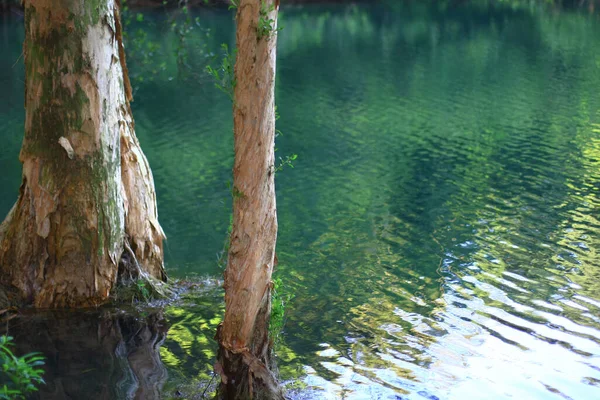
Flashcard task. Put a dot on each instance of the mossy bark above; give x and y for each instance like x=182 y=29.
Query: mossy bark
x=87 y=187
x=244 y=361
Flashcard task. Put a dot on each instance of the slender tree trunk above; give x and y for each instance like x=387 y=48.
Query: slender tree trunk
x=244 y=352
x=87 y=193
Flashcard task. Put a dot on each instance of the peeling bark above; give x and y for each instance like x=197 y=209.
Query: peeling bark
x=244 y=348
x=86 y=184
x=143 y=231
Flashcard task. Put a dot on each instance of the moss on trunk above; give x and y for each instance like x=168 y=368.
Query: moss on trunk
x=62 y=243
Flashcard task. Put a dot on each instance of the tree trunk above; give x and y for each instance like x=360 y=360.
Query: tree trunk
x=87 y=190
x=244 y=346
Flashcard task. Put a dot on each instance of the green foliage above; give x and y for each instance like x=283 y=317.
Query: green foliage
x=224 y=73
x=141 y=50
x=266 y=26
x=142 y=290
x=184 y=30
x=235 y=4
x=279 y=298
x=237 y=194
x=132 y=291
x=151 y=56
x=277 y=116
x=19 y=375
x=286 y=162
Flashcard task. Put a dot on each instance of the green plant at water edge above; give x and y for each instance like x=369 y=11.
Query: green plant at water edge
x=266 y=26
x=139 y=290
x=142 y=290
x=19 y=375
x=224 y=74
x=279 y=298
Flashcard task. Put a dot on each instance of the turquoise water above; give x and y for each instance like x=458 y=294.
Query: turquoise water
x=439 y=231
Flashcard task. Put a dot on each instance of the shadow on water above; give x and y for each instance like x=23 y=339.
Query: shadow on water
x=161 y=351
x=96 y=354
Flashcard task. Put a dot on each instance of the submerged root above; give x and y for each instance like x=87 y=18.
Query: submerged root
x=134 y=284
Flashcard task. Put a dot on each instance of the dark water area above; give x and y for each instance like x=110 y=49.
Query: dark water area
x=96 y=355
x=439 y=232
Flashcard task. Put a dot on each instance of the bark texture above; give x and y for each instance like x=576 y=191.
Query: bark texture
x=141 y=215
x=244 y=355
x=87 y=190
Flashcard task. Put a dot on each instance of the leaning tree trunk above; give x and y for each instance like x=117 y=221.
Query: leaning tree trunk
x=244 y=346
x=87 y=194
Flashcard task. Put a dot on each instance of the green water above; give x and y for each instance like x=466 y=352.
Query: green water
x=439 y=232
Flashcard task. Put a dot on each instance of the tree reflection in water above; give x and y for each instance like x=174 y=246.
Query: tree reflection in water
x=99 y=354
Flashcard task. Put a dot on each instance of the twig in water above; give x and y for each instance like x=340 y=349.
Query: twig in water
x=207 y=386
x=18 y=59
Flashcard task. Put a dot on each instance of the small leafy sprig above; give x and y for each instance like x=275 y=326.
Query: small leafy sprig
x=224 y=75
x=266 y=26
x=288 y=161
x=21 y=374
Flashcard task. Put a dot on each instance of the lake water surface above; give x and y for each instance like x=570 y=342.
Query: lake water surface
x=440 y=229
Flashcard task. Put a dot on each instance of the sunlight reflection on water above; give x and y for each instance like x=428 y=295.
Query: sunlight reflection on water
x=439 y=231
